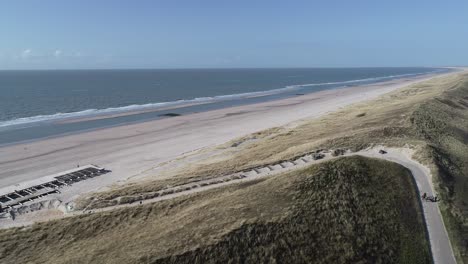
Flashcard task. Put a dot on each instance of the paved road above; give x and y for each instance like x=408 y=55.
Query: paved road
x=440 y=244
x=441 y=248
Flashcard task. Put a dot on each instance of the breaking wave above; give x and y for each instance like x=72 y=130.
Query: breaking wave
x=200 y=100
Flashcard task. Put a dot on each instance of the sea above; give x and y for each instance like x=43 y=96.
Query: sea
x=38 y=104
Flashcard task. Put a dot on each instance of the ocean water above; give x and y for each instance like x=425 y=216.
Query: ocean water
x=33 y=104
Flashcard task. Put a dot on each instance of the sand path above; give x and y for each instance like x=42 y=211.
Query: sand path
x=131 y=151
x=440 y=244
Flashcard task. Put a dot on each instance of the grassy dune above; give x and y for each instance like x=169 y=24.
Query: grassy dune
x=347 y=210
x=386 y=120
x=352 y=209
x=431 y=117
x=443 y=123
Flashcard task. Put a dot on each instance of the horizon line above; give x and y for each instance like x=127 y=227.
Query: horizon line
x=230 y=68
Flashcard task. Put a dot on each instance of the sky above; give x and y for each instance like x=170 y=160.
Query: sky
x=105 y=34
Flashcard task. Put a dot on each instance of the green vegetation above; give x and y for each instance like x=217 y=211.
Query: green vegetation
x=349 y=210
x=387 y=121
x=430 y=117
x=443 y=123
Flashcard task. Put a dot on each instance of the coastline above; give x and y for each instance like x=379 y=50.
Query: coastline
x=64 y=126
x=131 y=150
x=56 y=124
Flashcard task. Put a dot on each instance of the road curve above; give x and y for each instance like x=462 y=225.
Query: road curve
x=440 y=243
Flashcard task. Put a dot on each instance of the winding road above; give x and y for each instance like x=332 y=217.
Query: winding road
x=440 y=244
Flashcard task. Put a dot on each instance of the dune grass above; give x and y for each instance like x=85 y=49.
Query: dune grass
x=387 y=120
x=431 y=117
x=443 y=123
x=349 y=210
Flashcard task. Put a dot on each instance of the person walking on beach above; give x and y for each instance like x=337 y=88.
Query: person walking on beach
x=424 y=196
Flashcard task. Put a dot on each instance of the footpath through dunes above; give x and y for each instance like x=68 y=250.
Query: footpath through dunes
x=440 y=244
x=395 y=119
x=133 y=149
x=441 y=247
x=429 y=117
x=348 y=210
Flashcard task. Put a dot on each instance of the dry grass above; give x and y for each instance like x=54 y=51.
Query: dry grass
x=387 y=121
x=443 y=124
x=430 y=116
x=347 y=210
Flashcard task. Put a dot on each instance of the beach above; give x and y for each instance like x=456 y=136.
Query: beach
x=133 y=151
x=233 y=132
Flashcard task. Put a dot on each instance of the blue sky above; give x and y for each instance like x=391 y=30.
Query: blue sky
x=224 y=34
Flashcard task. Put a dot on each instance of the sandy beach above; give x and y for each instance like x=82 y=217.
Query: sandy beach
x=233 y=132
x=132 y=150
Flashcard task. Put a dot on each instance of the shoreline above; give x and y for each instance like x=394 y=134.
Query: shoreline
x=133 y=150
x=44 y=131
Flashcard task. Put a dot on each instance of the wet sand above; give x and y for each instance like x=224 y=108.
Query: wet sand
x=132 y=150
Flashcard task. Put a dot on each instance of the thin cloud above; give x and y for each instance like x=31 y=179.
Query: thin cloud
x=25 y=54
x=57 y=53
